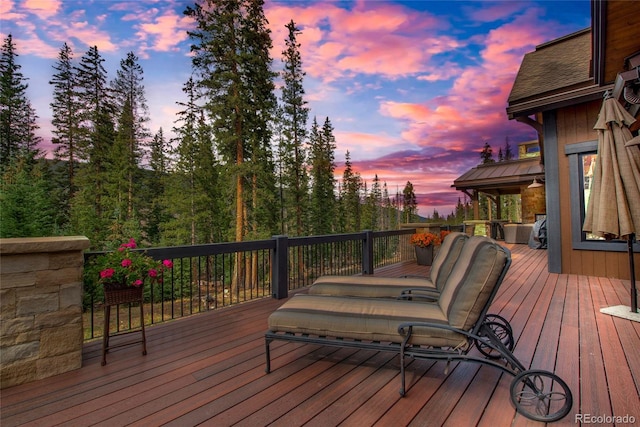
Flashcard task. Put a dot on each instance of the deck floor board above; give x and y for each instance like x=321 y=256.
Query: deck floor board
x=208 y=369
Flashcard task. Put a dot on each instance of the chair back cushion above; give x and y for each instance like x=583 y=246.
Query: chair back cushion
x=472 y=279
x=446 y=258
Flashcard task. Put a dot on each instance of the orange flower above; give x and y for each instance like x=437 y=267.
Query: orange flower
x=425 y=239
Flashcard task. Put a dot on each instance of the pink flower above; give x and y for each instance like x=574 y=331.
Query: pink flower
x=107 y=273
x=153 y=272
x=130 y=245
x=137 y=283
x=167 y=263
x=126 y=262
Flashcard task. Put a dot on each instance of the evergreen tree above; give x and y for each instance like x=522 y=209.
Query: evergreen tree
x=372 y=207
x=261 y=217
x=65 y=120
x=409 y=202
x=26 y=208
x=322 y=158
x=486 y=155
x=90 y=211
x=95 y=105
x=120 y=172
x=508 y=152
x=230 y=47
x=295 y=114
x=132 y=134
x=183 y=229
x=17 y=116
x=156 y=185
x=350 y=196
x=195 y=193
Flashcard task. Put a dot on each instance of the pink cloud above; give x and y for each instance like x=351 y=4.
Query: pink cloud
x=473 y=110
x=167 y=30
x=372 y=38
x=43 y=9
x=7 y=11
x=501 y=10
x=91 y=36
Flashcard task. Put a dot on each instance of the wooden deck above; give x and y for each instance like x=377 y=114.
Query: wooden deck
x=209 y=369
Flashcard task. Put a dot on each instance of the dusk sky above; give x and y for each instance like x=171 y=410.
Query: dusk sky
x=412 y=88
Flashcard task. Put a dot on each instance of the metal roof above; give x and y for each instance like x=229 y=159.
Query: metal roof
x=506 y=177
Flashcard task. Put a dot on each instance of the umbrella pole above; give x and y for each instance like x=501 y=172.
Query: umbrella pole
x=632 y=270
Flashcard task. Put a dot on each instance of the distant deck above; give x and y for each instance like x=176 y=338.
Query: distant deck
x=209 y=368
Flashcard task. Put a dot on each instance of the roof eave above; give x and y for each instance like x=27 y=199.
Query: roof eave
x=556 y=101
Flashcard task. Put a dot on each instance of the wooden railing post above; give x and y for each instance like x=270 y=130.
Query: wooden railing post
x=367 y=252
x=279 y=270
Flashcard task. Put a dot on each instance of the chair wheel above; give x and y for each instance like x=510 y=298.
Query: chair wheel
x=541 y=395
x=502 y=329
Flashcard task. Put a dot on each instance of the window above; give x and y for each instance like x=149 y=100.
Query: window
x=582 y=160
x=588 y=162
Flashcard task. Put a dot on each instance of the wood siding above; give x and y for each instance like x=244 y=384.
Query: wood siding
x=622 y=36
x=575 y=125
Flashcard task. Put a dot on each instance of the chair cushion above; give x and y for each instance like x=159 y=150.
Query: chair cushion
x=367 y=286
x=471 y=281
x=446 y=258
x=373 y=319
x=391 y=287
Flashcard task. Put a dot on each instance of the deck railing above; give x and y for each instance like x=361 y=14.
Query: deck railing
x=208 y=277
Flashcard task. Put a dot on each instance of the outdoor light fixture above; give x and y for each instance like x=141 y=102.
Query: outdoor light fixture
x=535 y=184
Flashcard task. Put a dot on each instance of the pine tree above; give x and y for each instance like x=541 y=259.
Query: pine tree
x=261 y=217
x=409 y=202
x=65 y=120
x=295 y=114
x=322 y=160
x=486 y=155
x=508 y=152
x=372 y=207
x=350 y=196
x=132 y=133
x=26 y=208
x=156 y=184
x=90 y=210
x=17 y=116
x=230 y=46
x=183 y=195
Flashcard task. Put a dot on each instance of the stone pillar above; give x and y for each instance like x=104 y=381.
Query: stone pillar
x=533 y=202
x=40 y=307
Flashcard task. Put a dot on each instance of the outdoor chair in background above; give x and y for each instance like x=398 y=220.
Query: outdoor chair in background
x=394 y=287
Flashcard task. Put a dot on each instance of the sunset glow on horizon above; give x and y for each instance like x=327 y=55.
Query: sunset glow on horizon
x=413 y=89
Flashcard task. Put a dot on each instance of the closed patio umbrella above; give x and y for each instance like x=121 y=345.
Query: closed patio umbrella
x=613 y=210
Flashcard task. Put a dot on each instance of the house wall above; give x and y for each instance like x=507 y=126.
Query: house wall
x=622 y=32
x=575 y=125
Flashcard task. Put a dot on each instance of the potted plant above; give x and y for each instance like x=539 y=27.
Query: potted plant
x=424 y=244
x=123 y=273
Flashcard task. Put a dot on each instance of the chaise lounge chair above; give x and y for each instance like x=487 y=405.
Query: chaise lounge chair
x=394 y=287
x=447 y=329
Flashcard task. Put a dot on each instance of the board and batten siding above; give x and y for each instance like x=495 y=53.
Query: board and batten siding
x=574 y=125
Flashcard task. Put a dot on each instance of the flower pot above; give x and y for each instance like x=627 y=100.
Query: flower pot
x=117 y=293
x=424 y=255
